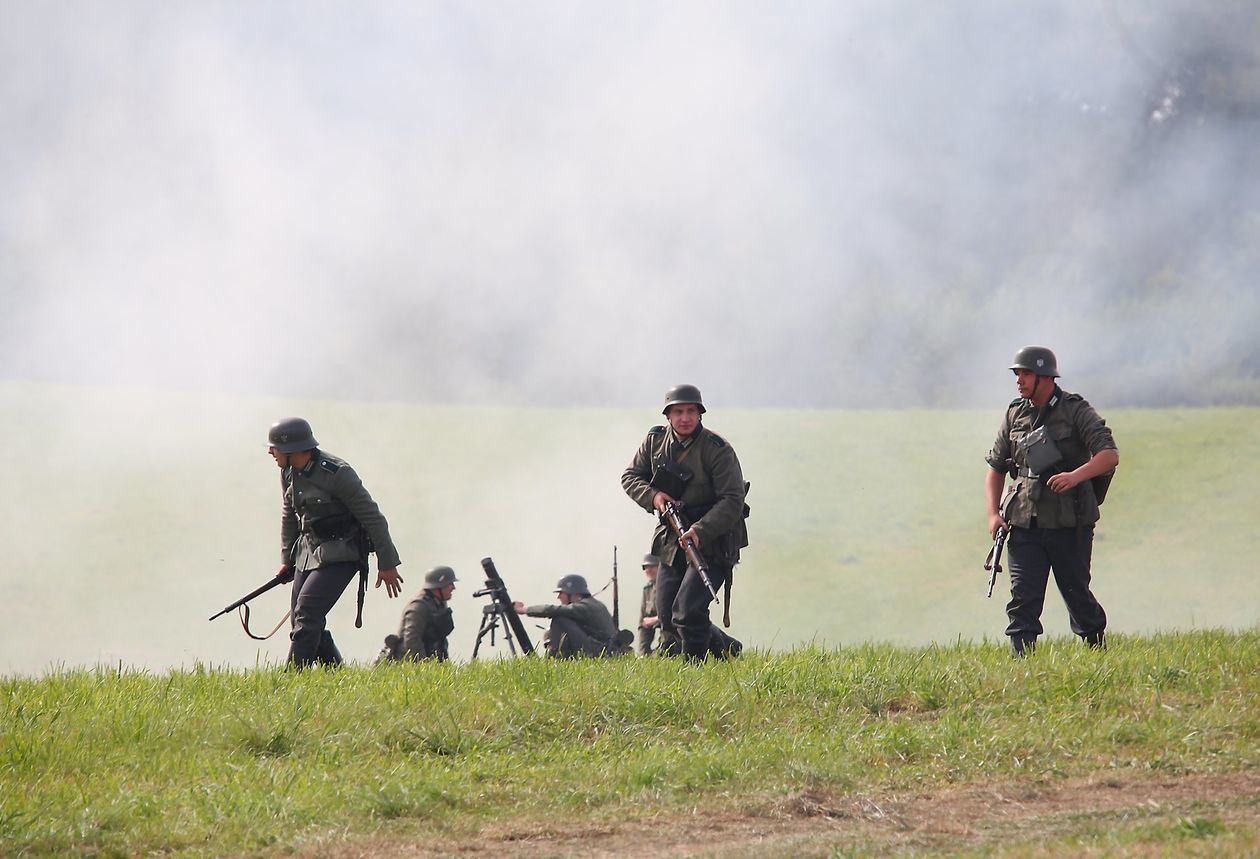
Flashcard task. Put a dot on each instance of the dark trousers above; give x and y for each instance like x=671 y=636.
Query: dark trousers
x=315 y=592
x=1031 y=554
x=682 y=604
x=568 y=640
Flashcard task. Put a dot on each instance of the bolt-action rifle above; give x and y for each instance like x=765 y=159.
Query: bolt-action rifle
x=242 y=603
x=673 y=515
x=993 y=561
x=616 y=595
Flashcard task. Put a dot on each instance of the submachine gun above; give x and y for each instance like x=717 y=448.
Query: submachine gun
x=499 y=614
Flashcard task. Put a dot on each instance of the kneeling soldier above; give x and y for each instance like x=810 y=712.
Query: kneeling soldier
x=580 y=624
x=426 y=622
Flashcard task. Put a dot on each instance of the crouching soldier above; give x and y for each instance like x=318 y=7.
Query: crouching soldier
x=426 y=622
x=580 y=624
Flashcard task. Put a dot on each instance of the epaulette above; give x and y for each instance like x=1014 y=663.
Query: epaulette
x=717 y=439
x=329 y=466
x=1068 y=396
x=656 y=430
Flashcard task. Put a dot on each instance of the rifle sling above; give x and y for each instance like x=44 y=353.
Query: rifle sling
x=243 y=611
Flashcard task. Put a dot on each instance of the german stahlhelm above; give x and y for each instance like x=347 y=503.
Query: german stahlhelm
x=439 y=577
x=683 y=394
x=572 y=584
x=291 y=435
x=1037 y=359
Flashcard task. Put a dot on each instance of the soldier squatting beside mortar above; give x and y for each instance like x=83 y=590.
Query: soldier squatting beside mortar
x=1061 y=456
x=580 y=625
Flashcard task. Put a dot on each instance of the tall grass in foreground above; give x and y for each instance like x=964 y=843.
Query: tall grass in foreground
x=212 y=761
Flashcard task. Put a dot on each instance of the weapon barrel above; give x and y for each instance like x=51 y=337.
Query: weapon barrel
x=693 y=557
x=274 y=582
x=494 y=582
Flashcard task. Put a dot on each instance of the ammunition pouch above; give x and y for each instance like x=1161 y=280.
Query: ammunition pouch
x=1101 y=484
x=669 y=477
x=338 y=527
x=1041 y=453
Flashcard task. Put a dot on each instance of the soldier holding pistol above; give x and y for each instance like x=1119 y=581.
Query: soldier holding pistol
x=1060 y=454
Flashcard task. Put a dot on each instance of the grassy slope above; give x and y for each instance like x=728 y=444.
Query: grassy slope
x=208 y=762
x=138 y=514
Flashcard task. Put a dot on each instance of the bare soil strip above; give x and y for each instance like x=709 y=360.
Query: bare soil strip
x=816 y=821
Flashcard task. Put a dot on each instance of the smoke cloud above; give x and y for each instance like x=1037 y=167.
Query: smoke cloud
x=810 y=205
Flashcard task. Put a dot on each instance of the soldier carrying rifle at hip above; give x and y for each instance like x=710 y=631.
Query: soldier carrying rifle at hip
x=691 y=478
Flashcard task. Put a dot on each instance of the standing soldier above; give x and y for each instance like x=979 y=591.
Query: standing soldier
x=1060 y=454
x=647 y=608
x=426 y=622
x=688 y=463
x=326 y=521
x=580 y=624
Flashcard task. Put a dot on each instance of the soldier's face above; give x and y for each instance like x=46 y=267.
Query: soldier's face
x=282 y=459
x=445 y=593
x=651 y=571
x=1025 y=380
x=684 y=417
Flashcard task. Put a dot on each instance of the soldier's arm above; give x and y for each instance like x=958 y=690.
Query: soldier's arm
x=1102 y=447
x=349 y=489
x=288 y=525
x=998 y=460
x=635 y=480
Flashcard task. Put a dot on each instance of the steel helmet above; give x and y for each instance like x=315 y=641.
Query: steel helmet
x=683 y=394
x=651 y=561
x=439 y=577
x=572 y=584
x=291 y=435
x=1037 y=359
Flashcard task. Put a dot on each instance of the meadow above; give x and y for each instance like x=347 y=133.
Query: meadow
x=1152 y=747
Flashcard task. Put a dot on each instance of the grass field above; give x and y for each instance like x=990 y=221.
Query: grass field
x=1151 y=748
x=134 y=515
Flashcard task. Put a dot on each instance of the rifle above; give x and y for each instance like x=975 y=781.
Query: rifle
x=500 y=604
x=616 y=611
x=241 y=603
x=993 y=561
x=673 y=515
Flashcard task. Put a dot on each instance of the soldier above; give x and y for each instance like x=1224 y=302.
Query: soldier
x=1061 y=456
x=426 y=622
x=326 y=520
x=647 y=608
x=688 y=463
x=580 y=624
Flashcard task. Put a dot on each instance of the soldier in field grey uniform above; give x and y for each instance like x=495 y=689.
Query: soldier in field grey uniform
x=1060 y=455
x=326 y=517
x=648 y=621
x=580 y=624
x=688 y=463
x=426 y=622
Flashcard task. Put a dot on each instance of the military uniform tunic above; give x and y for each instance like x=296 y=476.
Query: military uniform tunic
x=426 y=624
x=647 y=608
x=325 y=517
x=1050 y=530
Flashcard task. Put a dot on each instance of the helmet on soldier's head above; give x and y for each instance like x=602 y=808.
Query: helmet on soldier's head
x=291 y=435
x=572 y=584
x=1036 y=359
x=651 y=561
x=683 y=394
x=439 y=577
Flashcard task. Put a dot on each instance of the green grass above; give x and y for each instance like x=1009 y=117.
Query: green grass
x=212 y=761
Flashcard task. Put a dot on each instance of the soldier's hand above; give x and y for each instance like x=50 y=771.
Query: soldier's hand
x=518 y=607
x=393 y=581
x=1063 y=481
x=650 y=622
x=995 y=521
x=659 y=500
x=690 y=536
x=285 y=570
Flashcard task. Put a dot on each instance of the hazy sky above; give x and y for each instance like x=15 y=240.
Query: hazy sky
x=860 y=203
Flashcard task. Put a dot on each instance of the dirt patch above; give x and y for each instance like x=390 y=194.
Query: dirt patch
x=819 y=821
